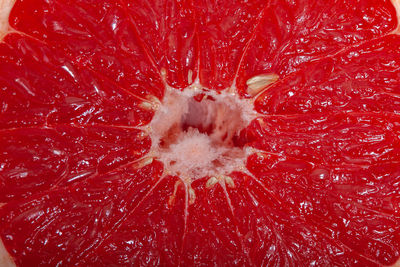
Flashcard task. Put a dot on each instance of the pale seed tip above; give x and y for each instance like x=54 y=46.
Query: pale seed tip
x=258 y=83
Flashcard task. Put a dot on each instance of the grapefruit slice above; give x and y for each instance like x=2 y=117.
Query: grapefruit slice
x=250 y=133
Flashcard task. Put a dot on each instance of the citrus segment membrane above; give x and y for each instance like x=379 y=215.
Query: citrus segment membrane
x=45 y=88
x=137 y=231
x=342 y=206
x=290 y=33
x=281 y=235
x=55 y=156
x=222 y=39
x=354 y=185
x=363 y=138
x=203 y=241
x=94 y=34
x=76 y=218
x=341 y=82
x=169 y=33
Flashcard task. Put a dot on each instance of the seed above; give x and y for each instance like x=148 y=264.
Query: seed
x=229 y=181
x=143 y=162
x=152 y=103
x=257 y=83
x=192 y=196
x=211 y=182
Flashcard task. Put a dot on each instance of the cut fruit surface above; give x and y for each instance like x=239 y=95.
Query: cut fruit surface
x=291 y=33
x=170 y=133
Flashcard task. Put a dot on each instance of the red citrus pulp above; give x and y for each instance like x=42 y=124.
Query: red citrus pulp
x=208 y=132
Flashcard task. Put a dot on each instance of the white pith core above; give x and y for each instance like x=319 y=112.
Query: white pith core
x=195 y=139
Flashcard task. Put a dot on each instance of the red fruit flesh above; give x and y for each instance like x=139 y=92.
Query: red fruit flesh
x=179 y=133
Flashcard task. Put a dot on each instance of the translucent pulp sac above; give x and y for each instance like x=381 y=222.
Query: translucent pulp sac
x=194 y=134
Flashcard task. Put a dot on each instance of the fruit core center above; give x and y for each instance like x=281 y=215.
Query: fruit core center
x=196 y=135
